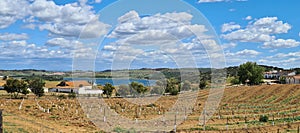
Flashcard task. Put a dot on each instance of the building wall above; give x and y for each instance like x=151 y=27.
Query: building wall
x=291 y=80
x=65 y=90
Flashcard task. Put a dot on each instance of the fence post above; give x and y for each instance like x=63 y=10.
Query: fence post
x=1 y=122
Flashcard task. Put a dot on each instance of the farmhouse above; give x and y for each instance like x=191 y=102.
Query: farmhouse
x=69 y=86
x=274 y=74
x=78 y=87
x=293 y=79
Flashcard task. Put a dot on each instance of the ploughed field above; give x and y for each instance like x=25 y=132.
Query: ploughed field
x=239 y=111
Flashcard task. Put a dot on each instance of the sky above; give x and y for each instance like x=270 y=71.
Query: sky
x=65 y=35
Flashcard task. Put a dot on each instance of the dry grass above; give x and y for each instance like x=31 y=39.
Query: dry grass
x=283 y=98
x=51 y=84
x=2 y=82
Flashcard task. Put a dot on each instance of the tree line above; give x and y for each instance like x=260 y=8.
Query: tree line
x=170 y=86
x=15 y=87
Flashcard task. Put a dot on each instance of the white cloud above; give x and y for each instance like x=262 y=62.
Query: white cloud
x=11 y=11
x=21 y=43
x=156 y=29
x=229 y=27
x=69 y=19
x=281 y=43
x=61 y=42
x=288 y=60
x=13 y=36
x=271 y=25
x=29 y=26
x=259 y=31
x=263 y=30
x=248 y=18
x=244 y=53
x=61 y=20
x=98 y=1
x=228 y=45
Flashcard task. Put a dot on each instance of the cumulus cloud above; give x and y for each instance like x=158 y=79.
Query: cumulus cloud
x=248 y=18
x=98 y=1
x=229 y=27
x=288 y=60
x=259 y=31
x=156 y=29
x=61 y=42
x=11 y=11
x=21 y=43
x=13 y=36
x=263 y=30
x=228 y=45
x=69 y=19
x=281 y=43
x=244 y=53
x=60 y=20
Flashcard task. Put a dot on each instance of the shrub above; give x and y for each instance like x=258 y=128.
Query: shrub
x=72 y=95
x=263 y=118
x=61 y=96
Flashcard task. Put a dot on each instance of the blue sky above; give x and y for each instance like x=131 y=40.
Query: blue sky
x=109 y=34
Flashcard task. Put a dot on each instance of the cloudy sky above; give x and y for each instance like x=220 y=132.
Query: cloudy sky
x=109 y=34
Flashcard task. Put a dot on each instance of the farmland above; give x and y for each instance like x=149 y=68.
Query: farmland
x=239 y=111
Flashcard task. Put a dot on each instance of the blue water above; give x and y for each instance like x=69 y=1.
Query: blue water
x=116 y=82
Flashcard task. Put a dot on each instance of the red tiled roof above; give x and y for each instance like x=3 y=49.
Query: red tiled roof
x=75 y=84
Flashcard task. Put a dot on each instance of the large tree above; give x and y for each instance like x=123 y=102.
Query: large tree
x=108 y=89
x=172 y=86
x=37 y=86
x=15 y=86
x=137 y=88
x=250 y=73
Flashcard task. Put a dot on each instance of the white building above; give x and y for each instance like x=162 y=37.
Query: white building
x=292 y=79
x=89 y=90
x=78 y=87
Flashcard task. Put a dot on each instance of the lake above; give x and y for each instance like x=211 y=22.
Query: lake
x=117 y=82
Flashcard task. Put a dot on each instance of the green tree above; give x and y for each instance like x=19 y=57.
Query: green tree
x=186 y=86
x=235 y=81
x=4 y=78
x=37 y=86
x=202 y=84
x=251 y=73
x=108 y=89
x=15 y=86
x=171 y=86
x=282 y=80
x=137 y=88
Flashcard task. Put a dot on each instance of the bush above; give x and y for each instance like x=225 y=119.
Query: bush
x=235 y=81
x=61 y=96
x=263 y=118
x=202 y=84
x=72 y=95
